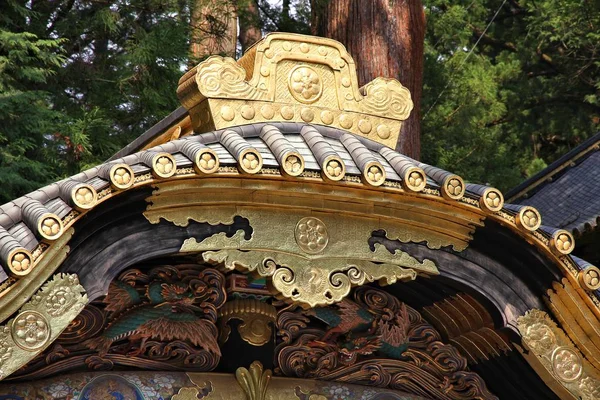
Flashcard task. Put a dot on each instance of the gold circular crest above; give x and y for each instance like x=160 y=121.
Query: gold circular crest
x=311 y=235
x=590 y=278
x=566 y=364
x=30 y=330
x=305 y=84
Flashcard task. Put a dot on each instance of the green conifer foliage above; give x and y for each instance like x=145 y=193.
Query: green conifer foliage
x=79 y=79
x=526 y=94
x=27 y=119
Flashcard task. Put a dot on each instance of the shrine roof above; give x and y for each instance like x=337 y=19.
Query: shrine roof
x=567 y=192
x=286 y=150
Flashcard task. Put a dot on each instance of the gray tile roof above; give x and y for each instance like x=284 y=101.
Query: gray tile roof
x=330 y=153
x=570 y=198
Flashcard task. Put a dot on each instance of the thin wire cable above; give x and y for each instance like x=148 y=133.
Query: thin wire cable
x=465 y=59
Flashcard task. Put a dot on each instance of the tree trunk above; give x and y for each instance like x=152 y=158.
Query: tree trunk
x=213 y=29
x=249 y=23
x=385 y=38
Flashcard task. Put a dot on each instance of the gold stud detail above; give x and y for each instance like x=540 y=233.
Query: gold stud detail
x=307 y=114
x=327 y=117
x=374 y=173
x=293 y=164
x=383 y=131
x=287 y=112
x=345 y=82
x=267 y=111
x=247 y=112
x=269 y=53
x=84 y=196
x=50 y=226
x=304 y=47
x=453 y=187
x=311 y=235
x=227 y=113
x=491 y=200
x=206 y=162
x=562 y=242
x=529 y=218
x=364 y=126
x=121 y=176
x=163 y=165
x=287 y=46
x=589 y=278
x=415 y=179
x=250 y=161
x=264 y=71
x=346 y=121
x=20 y=262
x=334 y=168
x=305 y=84
x=30 y=330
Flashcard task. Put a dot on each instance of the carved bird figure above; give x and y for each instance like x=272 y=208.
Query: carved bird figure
x=390 y=340
x=343 y=317
x=169 y=315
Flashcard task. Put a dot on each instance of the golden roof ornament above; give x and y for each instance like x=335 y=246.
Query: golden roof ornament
x=297 y=78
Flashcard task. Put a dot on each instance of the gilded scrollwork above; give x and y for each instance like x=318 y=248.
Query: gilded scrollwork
x=556 y=353
x=271 y=82
x=384 y=96
x=222 y=76
x=320 y=281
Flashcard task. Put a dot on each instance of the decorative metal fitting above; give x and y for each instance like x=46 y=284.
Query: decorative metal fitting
x=256 y=317
x=163 y=165
x=374 y=173
x=20 y=261
x=30 y=330
x=121 y=176
x=84 y=196
x=250 y=161
x=589 y=278
x=453 y=187
x=492 y=200
x=562 y=242
x=415 y=179
x=49 y=226
x=334 y=168
x=529 y=218
x=206 y=161
x=293 y=163
x=311 y=235
x=254 y=382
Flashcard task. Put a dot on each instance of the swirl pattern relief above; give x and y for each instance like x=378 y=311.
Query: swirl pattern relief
x=386 y=98
x=222 y=77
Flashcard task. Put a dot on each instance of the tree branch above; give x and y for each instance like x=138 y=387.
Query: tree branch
x=492 y=41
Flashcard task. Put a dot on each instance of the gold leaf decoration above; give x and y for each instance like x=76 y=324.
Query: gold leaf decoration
x=40 y=321
x=553 y=349
x=254 y=382
x=320 y=281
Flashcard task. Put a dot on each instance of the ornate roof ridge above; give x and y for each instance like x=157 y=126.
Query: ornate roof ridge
x=29 y=225
x=292 y=77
